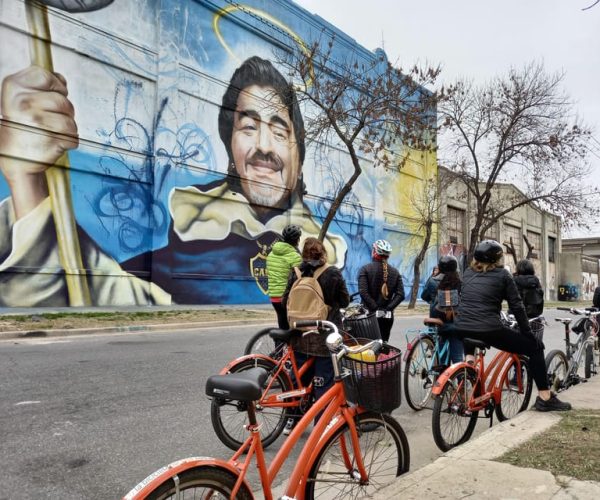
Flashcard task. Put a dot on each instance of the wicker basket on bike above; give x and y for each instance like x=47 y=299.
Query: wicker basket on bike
x=363 y=326
x=374 y=384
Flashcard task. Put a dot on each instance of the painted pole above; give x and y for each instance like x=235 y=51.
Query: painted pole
x=58 y=176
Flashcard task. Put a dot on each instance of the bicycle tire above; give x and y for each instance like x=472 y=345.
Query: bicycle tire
x=451 y=402
x=199 y=479
x=590 y=364
x=557 y=368
x=262 y=343
x=229 y=417
x=514 y=399
x=418 y=382
x=386 y=455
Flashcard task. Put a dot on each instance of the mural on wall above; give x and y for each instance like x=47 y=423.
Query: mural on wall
x=190 y=159
x=589 y=282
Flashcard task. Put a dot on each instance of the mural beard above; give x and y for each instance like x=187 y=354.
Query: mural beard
x=265 y=195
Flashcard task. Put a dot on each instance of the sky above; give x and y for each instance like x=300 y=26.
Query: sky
x=480 y=39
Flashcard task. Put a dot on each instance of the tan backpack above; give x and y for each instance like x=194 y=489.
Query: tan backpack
x=305 y=300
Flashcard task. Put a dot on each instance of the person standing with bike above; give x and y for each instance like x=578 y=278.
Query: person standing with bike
x=486 y=284
x=447 y=285
x=335 y=296
x=282 y=258
x=380 y=287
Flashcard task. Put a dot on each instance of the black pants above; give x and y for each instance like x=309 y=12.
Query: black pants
x=513 y=341
x=385 y=327
x=281 y=311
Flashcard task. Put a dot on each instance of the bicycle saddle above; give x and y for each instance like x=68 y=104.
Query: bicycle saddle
x=433 y=322
x=282 y=335
x=477 y=343
x=241 y=386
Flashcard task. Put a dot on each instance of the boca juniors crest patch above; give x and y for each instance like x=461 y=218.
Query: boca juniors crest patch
x=258 y=269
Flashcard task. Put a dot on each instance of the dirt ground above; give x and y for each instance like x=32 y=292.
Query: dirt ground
x=95 y=320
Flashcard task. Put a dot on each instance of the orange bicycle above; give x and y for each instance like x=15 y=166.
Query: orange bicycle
x=354 y=448
x=463 y=390
x=284 y=394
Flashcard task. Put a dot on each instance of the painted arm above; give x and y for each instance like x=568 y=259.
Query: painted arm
x=37 y=127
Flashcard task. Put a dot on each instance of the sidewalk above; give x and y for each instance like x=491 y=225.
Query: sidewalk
x=469 y=471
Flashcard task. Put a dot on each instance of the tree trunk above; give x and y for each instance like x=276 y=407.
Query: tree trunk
x=417 y=268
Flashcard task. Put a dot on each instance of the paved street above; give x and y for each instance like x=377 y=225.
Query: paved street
x=88 y=417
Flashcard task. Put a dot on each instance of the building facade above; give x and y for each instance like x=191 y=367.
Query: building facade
x=527 y=223
x=580 y=266
x=165 y=207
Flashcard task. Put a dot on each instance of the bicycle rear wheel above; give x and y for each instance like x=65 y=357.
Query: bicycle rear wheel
x=229 y=417
x=557 y=368
x=515 y=395
x=590 y=367
x=452 y=423
x=385 y=454
x=262 y=343
x=418 y=380
x=201 y=482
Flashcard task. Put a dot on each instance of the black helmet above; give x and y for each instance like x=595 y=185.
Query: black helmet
x=291 y=234
x=448 y=264
x=488 y=251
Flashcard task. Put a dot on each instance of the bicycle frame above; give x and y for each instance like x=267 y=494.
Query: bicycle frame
x=491 y=377
x=279 y=399
x=574 y=351
x=335 y=412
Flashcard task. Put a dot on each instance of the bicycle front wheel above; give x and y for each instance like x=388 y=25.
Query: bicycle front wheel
x=385 y=454
x=229 y=418
x=557 y=368
x=452 y=422
x=262 y=343
x=515 y=394
x=201 y=482
x=418 y=380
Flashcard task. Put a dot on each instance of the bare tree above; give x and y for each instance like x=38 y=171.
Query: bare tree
x=592 y=5
x=426 y=204
x=370 y=108
x=518 y=129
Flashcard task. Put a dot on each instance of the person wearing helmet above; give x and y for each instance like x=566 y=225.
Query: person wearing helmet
x=448 y=278
x=380 y=287
x=486 y=284
x=282 y=258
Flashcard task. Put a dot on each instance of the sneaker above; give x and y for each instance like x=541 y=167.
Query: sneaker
x=289 y=426
x=553 y=404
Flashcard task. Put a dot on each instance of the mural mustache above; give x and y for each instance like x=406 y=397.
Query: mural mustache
x=268 y=161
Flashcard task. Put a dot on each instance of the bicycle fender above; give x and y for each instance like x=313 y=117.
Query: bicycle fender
x=145 y=487
x=227 y=368
x=440 y=382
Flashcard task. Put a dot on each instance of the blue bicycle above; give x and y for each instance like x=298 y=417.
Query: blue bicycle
x=427 y=356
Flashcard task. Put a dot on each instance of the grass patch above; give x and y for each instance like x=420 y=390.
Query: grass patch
x=569 y=448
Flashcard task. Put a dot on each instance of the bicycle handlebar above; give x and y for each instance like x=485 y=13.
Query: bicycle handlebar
x=374 y=345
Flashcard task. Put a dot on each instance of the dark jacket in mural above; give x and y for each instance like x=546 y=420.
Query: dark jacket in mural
x=218 y=246
x=481 y=299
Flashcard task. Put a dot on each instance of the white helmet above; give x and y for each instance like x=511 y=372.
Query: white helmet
x=382 y=248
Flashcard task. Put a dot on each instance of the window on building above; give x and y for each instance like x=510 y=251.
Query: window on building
x=536 y=241
x=492 y=233
x=551 y=249
x=513 y=232
x=456 y=226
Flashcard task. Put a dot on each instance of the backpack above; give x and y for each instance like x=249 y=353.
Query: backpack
x=533 y=300
x=446 y=301
x=305 y=299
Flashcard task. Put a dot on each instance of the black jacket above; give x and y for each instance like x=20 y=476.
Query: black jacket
x=370 y=281
x=335 y=293
x=481 y=301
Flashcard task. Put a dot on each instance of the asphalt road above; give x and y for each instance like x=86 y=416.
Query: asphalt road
x=89 y=417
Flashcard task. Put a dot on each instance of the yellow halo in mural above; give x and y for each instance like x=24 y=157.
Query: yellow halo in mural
x=261 y=15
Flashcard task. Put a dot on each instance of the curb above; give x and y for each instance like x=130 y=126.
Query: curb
x=164 y=327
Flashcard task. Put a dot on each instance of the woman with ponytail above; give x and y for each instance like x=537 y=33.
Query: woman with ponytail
x=380 y=287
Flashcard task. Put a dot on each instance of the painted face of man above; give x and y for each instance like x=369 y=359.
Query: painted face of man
x=264 y=147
